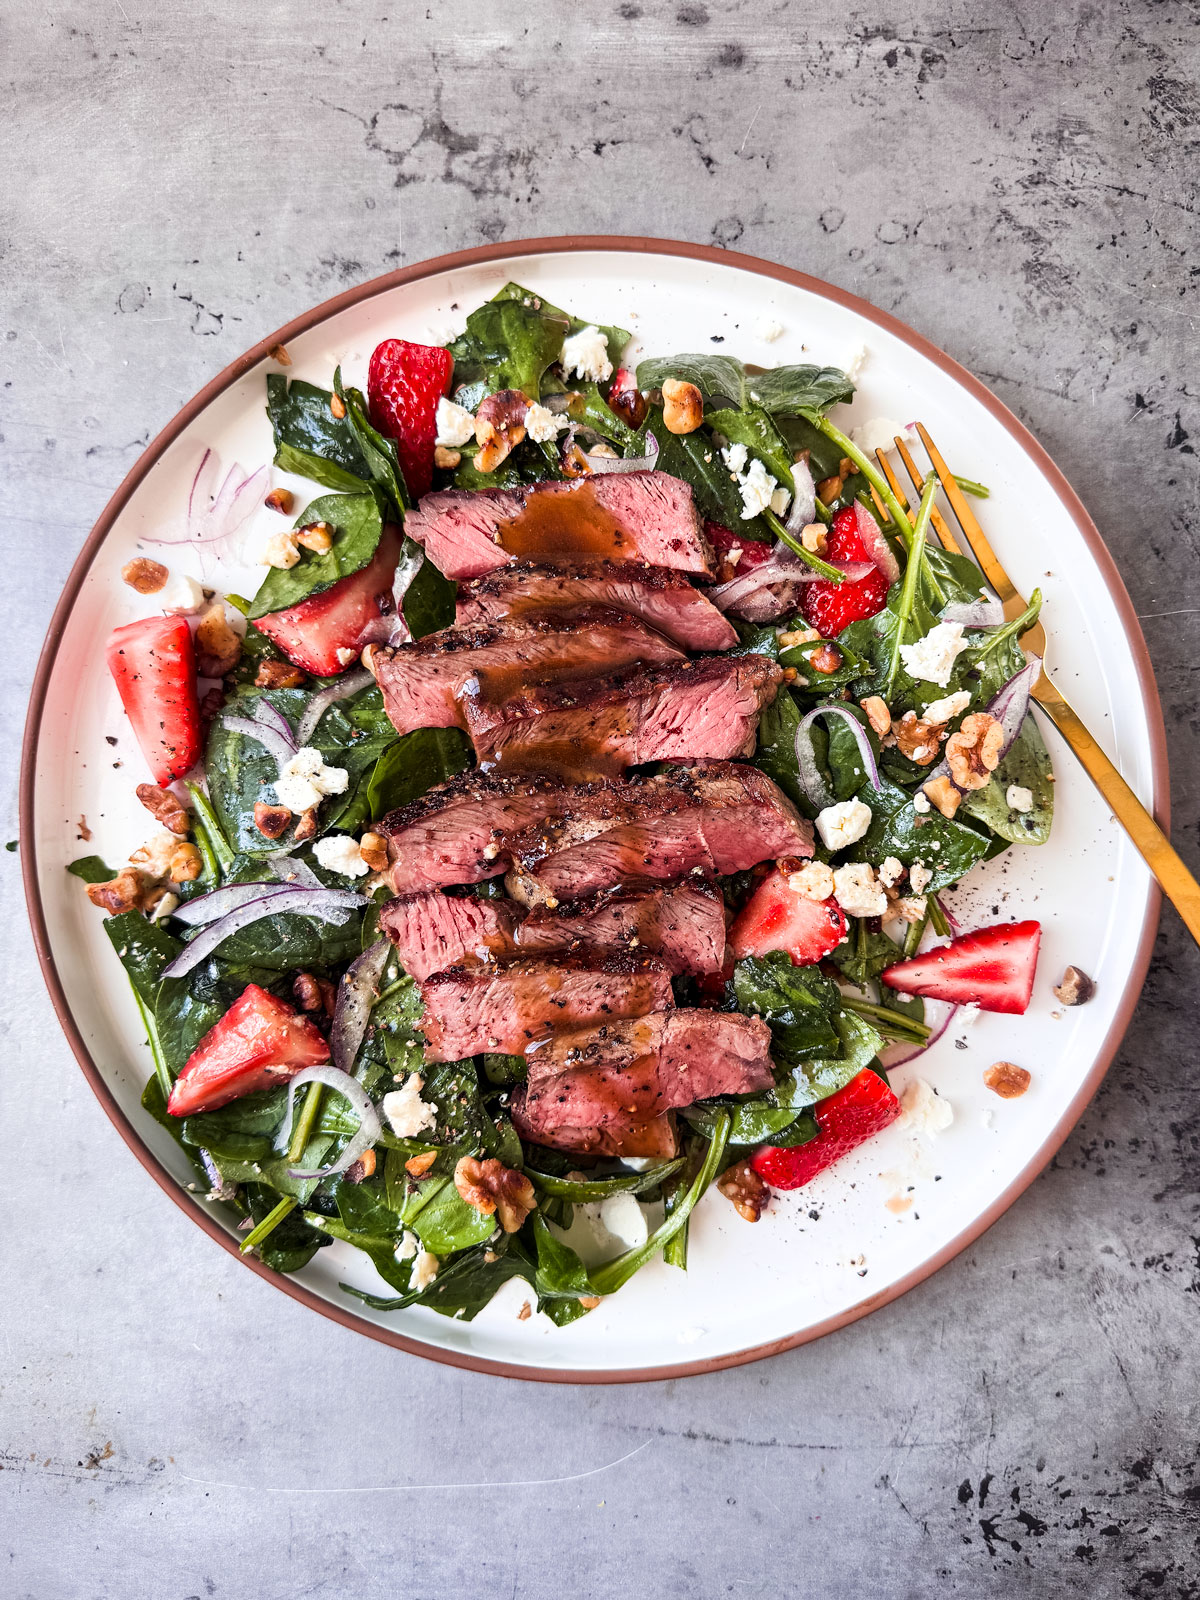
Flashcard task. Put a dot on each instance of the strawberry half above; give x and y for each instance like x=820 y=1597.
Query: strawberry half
x=992 y=969
x=153 y=664
x=258 y=1043
x=846 y=1119
x=404 y=384
x=830 y=607
x=776 y=917
x=754 y=552
x=319 y=632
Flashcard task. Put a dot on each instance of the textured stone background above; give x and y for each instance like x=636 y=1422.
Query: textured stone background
x=1017 y=181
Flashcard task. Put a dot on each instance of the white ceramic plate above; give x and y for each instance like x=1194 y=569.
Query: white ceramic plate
x=892 y=1214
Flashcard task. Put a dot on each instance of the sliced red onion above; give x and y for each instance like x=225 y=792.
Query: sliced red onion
x=811 y=780
x=985 y=612
x=220 y=902
x=320 y=703
x=270 y=717
x=879 y=550
x=784 y=566
x=598 y=463
x=1011 y=706
x=327 y=905
x=295 y=874
x=369 y=1125
x=899 y=1053
x=213 y=518
x=804 y=504
x=221 y=1189
x=357 y=993
x=280 y=749
x=393 y=629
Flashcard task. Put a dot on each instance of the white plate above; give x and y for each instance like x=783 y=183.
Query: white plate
x=835 y=1250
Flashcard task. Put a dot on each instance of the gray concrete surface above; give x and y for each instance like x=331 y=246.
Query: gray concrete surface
x=1016 y=180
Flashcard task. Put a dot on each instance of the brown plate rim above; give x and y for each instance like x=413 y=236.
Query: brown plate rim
x=479 y=256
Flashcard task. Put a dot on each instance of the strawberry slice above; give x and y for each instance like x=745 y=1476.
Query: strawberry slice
x=324 y=633
x=846 y=1119
x=258 y=1043
x=404 y=384
x=777 y=917
x=830 y=607
x=992 y=969
x=153 y=663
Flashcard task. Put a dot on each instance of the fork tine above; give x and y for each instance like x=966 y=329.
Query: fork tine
x=949 y=542
x=879 y=505
x=978 y=540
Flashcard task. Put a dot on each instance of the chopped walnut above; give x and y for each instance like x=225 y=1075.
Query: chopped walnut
x=418 y=1166
x=943 y=794
x=1076 y=988
x=337 y=405
x=916 y=739
x=165 y=808
x=489 y=1186
x=279 y=352
x=814 y=538
x=217 y=645
x=745 y=1190
x=153 y=858
x=271 y=821
x=446 y=458
x=361 y=1169
x=144 y=575
x=122 y=893
x=829 y=489
x=794 y=636
x=306 y=828
x=279 y=675
x=683 y=406
x=826 y=659
x=499 y=427
x=315 y=536
x=281 y=500
x=314 y=994
x=1008 y=1081
x=525 y=1312
x=846 y=468
x=186 y=864
x=374 y=851
x=589 y=1302
x=973 y=753
x=878 y=714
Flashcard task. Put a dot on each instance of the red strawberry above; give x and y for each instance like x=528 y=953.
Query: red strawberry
x=993 y=968
x=258 y=1043
x=830 y=607
x=404 y=384
x=846 y=1119
x=779 y=918
x=153 y=663
x=319 y=632
x=753 y=551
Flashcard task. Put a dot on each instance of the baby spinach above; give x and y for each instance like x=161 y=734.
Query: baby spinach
x=822 y=1076
x=430 y=600
x=776 y=753
x=946 y=846
x=414 y=764
x=695 y=458
x=863 y=955
x=617 y=338
x=798 y=1003
x=589 y=408
x=92 y=869
x=581 y=1190
x=1027 y=765
x=446 y=1223
x=357 y=522
x=310 y=440
x=293 y=1242
x=507 y=345
x=758 y=432
x=778 y=390
x=181 y=1010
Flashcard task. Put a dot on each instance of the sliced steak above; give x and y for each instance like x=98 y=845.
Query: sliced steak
x=711 y=819
x=622 y=1136
x=683 y=925
x=626 y=516
x=433 y=931
x=506 y=1006
x=663 y=599
x=422 y=682
x=679 y=711
x=644 y=1066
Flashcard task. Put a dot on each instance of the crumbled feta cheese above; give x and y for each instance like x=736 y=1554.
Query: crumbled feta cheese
x=814 y=880
x=280 y=550
x=843 y=823
x=757 y=488
x=948 y=707
x=181 y=595
x=408 y=1114
x=338 y=852
x=424 y=1270
x=305 y=780
x=925 y=1110
x=880 y=434
x=919 y=877
x=921 y=802
x=968 y=1014
x=621 y=1216
x=164 y=907
x=1018 y=797
x=780 y=501
x=586 y=354
x=455 y=425
x=768 y=329
x=735 y=457
x=542 y=425
x=891 y=872
x=858 y=891
x=407 y=1248
x=911 y=908
x=932 y=658
x=857 y=361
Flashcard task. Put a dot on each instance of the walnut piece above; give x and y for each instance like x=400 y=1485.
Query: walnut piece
x=306 y=828
x=829 y=489
x=279 y=352
x=826 y=659
x=813 y=537
x=745 y=1190
x=374 y=851
x=942 y=793
x=878 y=714
x=364 y=1167
x=281 y=500
x=186 y=864
x=973 y=753
x=217 y=645
x=271 y=821
x=499 y=427
x=1076 y=988
x=418 y=1166
x=314 y=994
x=315 y=536
x=446 y=458
x=122 y=893
x=683 y=406
x=489 y=1186
x=1008 y=1081
x=279 y=675
x=916 y=739
x=144 y=575
x=165 y=808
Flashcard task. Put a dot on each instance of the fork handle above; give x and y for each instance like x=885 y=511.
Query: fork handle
x=1177 y=883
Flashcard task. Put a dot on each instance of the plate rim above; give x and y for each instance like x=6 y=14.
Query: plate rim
x=482 y=255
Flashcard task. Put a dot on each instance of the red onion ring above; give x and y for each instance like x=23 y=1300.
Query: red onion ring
x=220 y=902
x=625 y=463
x=225 y=512
x=357 y=993
x=320 y=703
x=295 y=874
x=803 y=509
x=327 y=905
x=986 y=612
x=369 y=1126
x=783 y=566
x=222 y=1189
x=282 y=750
x=811 y=780
x=267 y=714
x=889 y=1056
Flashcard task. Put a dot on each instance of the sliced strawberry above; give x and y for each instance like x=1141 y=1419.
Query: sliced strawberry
x=777 y=917
x=754 y=552
x=404 y=384
x=153 y=663
x=259 y=1042
x=846 y=1119
x=992 y=969
x=830 y=607
x=324 y=634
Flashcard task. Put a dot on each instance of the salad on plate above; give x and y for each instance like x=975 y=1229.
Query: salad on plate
x=560 y=829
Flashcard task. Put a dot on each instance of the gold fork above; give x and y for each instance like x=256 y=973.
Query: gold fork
x=1177 y=883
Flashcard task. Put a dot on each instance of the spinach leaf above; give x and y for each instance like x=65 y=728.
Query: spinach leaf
x=358 y=524
x=1028 y=765
x=179 y=1011
x=289 y=942
x=378 y=451
x=758 y=432
x=822 y=1076
x=776 y=753
x=779 y=390
x=799 y=1004
x=414 y=764
x=446 y=1223
x=864 y=955
x=617 y=338
x=945 y=845
x=696 y=459
x=507 y=345
x=581 y=1190
x=589 y=407
x=243 y=1130
x=293 y=1243
x=430 y=600
x=463 y=1286
x=310 y=440
x=91 y=869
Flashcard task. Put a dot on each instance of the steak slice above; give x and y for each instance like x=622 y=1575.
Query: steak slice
x=683 y=925
x=711 y=819
x=433 y=931
x=644 y=1066
x=422 y=682
x=506 y=1006
x=678 y=711
x=626 y=516
x=663 y=599
x=622 y=1136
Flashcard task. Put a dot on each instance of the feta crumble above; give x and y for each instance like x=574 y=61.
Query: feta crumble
x=586 y=355
x=814 y=880
x=843 y=824
x=947 y=708
x=407 y=1248
x=759 y=490
x=880 y=434
x=858 y=891
x=735 y=457
x=181 y=595
x=921 y=803
x=424 y=1270
x=780 y=501
x=624 y=1219
x=925 y=1110
x=338 y=852
x=858 y=360
x=280 y=550
x=932 y=658
x=919 y=877
x=768 y=329
x=542 y=425
x=408 y=1114
x=455 y=425
x=305 y=780
x=891 y=872
x=1018 y=797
